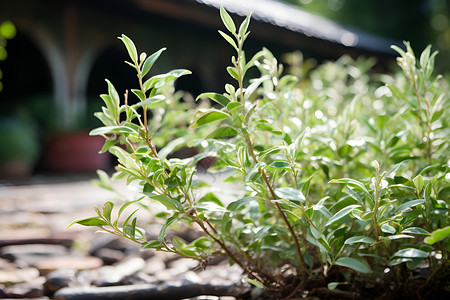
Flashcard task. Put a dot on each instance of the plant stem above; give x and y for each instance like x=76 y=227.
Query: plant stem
x=228 y=251
x=427 y=130
x=261 y=170
x=144 y=108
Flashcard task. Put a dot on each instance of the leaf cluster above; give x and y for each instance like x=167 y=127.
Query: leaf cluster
x=338 y=171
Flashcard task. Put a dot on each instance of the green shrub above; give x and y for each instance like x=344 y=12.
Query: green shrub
x=343 y=179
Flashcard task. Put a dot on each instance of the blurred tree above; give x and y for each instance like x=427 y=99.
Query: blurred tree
x=7 y=31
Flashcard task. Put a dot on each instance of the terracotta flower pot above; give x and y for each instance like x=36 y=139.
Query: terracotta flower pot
x=75 y=152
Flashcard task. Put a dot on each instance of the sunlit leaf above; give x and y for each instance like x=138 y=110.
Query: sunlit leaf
x=208 y=116
x=167 y=201
x=415 y=230
x=387 y=228
x=218 y=98
x=229 y=39
x=411 y=253
x=332 y=285
x=227 y=20
x=359 y=239
x=354 y=183
x=290 y=194
x=410 y=204
x=131 y=48
x=438 y=235
x=342 y=213
x=92 y=221
x=150 y=61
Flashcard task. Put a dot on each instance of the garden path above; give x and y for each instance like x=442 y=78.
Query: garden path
x=39 y=256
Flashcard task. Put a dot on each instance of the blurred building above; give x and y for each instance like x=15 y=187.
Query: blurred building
x=64 y=49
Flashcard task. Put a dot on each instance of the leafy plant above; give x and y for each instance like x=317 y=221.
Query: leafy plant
x=343 y=180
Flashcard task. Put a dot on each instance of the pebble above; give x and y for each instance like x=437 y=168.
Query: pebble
x=68 y=262
x=113 y=275
x=38 y=258
x=32 y=254
x=154 y=265
x=59 y=279
x=31 y=289
x=15 y=276
x=110 y=256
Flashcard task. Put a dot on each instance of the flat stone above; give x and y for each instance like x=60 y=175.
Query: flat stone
x=14 y=276
x=109 y=256
x=154 y=265
x=112 y=275
x=31 y=289
x=31 y=254
x=68 y=262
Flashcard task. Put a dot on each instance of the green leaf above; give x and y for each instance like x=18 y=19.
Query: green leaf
x=152 y=245
x=280 y=165
x=411 y=253
x=130 y=230
x=108 y=144
x=107 y=209
x=255 y=282
x=167 y=201
x=366 y=215
x=253 y=86
x=398 y=236
x=410 y=204
x=233 y=106
x=358 y=265
x=354 y=183
x=221 y=132
x=123 y=207
x=229 y=39
x=111 y=129
x=332 y=285
x=125 y=223
x=269 y=128
x=139 y=94
x=416 y=230
x=438 y=235
x=244 y=25
x=103 y=180
x=208 y=116
x=227 y=20
x=150 y=61
x=218 y=98
x=349 y=191
x=424 y=57
x=233 y=72
x=290 y=194
x=386 y=228
x=342 y=213
x=151 y=102
x=418 y=183
x=359 y=239
x=236 y=205
x=92 y=221
x=131 y=48
x=115 y=100
x=167 y=223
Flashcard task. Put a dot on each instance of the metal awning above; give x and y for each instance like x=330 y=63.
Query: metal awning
x=297 y=20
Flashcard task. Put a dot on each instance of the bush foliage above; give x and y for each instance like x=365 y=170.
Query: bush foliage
x=344 y=173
